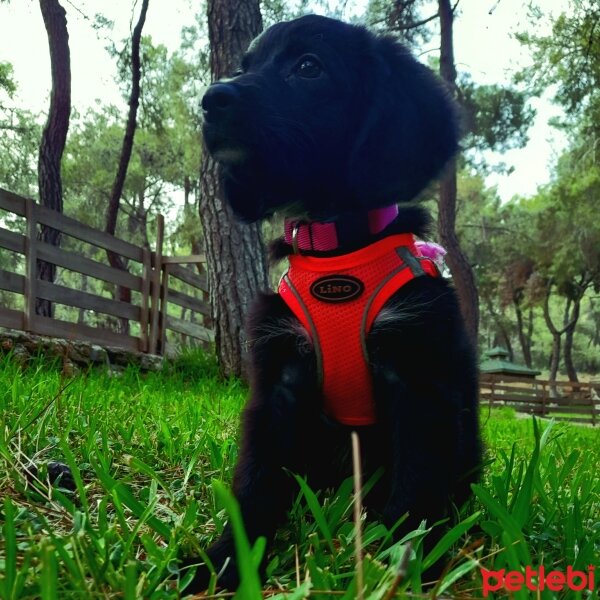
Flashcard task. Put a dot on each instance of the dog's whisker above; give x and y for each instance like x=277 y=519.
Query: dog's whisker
x=405 y=310
x=284 y=327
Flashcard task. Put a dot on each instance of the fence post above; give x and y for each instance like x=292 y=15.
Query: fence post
x=207 y=320
x=544 y=400
x=592 y=403
x=30 y=267
x=145 y=308
x=155 y=289
x=164 y=301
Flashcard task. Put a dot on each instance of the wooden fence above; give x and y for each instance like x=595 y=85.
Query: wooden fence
x=157 y=283
x=561 y=400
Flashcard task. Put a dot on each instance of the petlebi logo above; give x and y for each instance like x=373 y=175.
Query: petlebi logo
x=538 y=579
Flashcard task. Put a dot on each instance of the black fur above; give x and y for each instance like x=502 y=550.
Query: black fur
x=361 y=125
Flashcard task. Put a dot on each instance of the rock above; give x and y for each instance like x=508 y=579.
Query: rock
x=59 y=475
x=74 y=355
x=69 y=369
x=88 y=354
x=120 y=356
x=20 y=355
x=151 y=362
x=115 y=371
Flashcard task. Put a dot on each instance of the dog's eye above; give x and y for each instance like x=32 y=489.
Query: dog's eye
x=309 y=67
x=237 y=72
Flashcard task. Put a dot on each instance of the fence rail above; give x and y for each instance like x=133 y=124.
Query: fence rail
x=157 y=281
x=562 y=400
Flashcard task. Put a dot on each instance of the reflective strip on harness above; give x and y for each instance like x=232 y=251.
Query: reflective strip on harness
x=337 y=299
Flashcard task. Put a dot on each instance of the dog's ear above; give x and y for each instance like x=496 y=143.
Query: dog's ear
x=409 y=132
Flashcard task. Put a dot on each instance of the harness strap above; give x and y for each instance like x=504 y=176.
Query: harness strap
x=337 y=300
x=414 y=267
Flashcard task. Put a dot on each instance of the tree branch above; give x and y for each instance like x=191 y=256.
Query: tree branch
x=416 y=24
x=15 y=128
x=127 y=146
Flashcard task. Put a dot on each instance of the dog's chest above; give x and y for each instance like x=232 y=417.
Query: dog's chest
x=337 y=299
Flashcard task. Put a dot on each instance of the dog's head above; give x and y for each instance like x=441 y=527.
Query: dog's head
x=326 y=118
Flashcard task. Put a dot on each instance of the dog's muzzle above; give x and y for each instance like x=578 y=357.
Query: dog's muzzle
x=219 y=101
x=220 y=107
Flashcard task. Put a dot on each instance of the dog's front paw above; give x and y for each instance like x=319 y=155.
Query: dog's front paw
x=223 y=565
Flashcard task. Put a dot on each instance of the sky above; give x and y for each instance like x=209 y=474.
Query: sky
x=483 y=39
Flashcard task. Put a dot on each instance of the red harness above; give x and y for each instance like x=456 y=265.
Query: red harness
x=337 y=299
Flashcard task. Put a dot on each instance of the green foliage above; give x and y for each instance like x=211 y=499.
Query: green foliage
x=568 y=58
x=6 y=78
x=527 y=248
x=496 y=117
x=167 y=151
x=145 y=451
x=411 y=20
x=274 y=11
x=20 y=132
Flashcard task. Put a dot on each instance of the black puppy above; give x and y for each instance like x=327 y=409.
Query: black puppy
x=333 y=126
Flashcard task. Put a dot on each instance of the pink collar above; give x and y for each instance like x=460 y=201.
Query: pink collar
x=323 y=236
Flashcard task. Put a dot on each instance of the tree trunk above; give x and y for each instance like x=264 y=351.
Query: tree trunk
x=524 y=339
x=116 y=261
x=556 y=335
x=54 y=135
x=187 y=189
x=571 y=323
x=501 y=334
x=235 y=253
x=555 y=358
x=462 y=274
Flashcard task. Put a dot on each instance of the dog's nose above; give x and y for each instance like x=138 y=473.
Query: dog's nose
x=218 y=100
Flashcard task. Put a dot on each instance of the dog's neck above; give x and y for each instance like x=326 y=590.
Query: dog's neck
x=348 y=232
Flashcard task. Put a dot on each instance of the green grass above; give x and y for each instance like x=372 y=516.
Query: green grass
x=146 y=449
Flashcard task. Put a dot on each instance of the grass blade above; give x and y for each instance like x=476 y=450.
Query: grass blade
x=10 y=544
x=248 y=558
x=316 y=510
x=131 y=580
x=449 y=539
x=72 y=464
x=124 y=495
x=511 y=529
x=49 y=574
